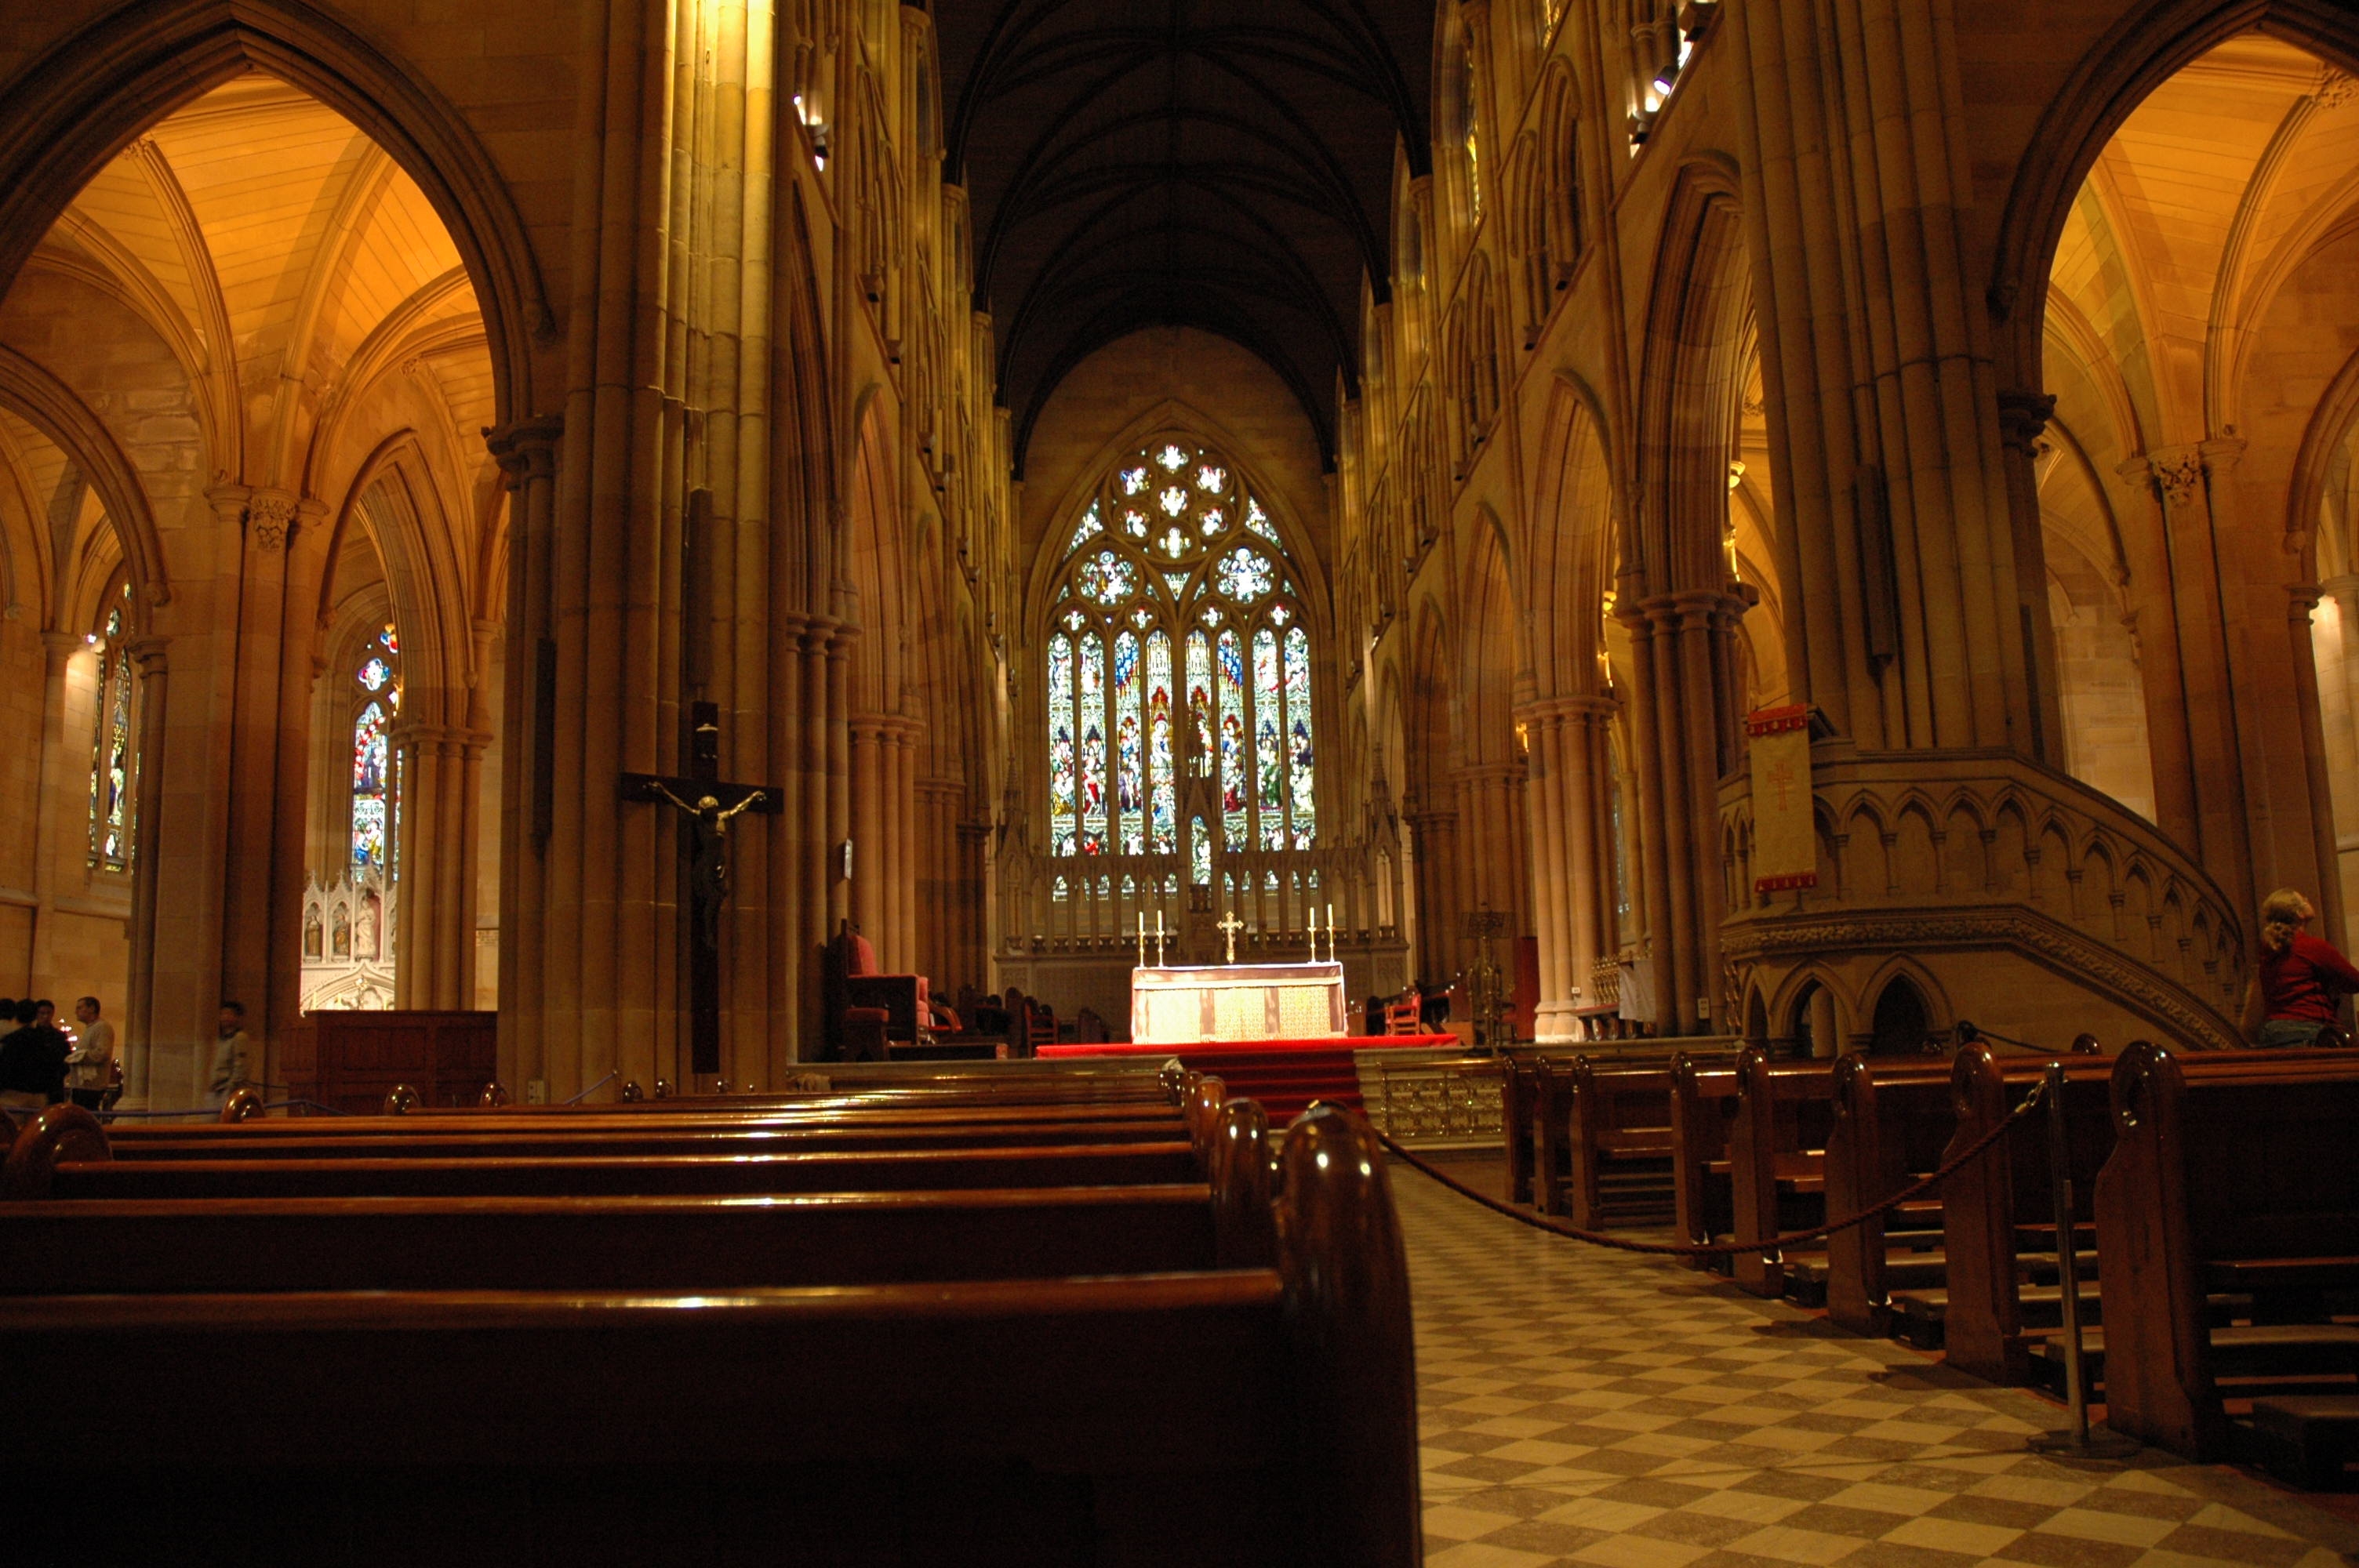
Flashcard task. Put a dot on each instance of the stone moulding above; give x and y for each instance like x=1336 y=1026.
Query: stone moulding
x=2034 y=937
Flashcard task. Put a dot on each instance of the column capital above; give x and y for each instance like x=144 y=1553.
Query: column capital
x=525 y=449
x=2176 y=473
x=270 y=519
x=2301 y=599
x=1579 y=705
x=63 y=645
x=2023 y=417
x=147 y=652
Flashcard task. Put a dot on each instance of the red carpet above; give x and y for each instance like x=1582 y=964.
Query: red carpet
x=1285 y=1076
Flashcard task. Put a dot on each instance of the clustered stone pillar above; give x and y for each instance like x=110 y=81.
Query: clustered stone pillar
x=440 y=806
x=58 y=649
x=1685 y=708
x=1567 y=800
x=147 y=655
x=1433 y=841
x=2302 y=599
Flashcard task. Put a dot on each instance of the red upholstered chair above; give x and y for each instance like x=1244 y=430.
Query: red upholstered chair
x=852 y=982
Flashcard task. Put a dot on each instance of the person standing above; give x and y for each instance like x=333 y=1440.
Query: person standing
x=32 y=1062
x=233 y=1055
x=2300 y=981
x=90 y=1069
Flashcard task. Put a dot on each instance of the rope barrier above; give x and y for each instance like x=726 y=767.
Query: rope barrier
x=1709 y=1250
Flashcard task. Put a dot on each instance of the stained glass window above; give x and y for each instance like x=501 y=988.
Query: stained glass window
x=1243 y=576
x=1094 y=746
x=111 y=765
x=371 y=771
x=1163 y=795
x=1200 y=691
x=1298 y=733
x=1177 y=647
x=376 y=771
x=1130 y=747
x=1234 y=786
x=1061 y=745
x=1269 y=723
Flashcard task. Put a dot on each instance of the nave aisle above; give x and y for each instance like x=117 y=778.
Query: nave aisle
x=1584 y=1407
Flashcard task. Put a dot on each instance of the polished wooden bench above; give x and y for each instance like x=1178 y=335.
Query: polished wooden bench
x=2231 y=1172
x=1891 y=1119
x=1703 y=1107
x=594 y=1175
x=1191 y=1414
x=1997 y=1302
x=378 y=1139
x=1616 y=1124
x=96 y=1246
x=1777 y=1142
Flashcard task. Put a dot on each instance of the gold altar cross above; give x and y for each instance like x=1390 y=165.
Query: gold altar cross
x=1232 y=926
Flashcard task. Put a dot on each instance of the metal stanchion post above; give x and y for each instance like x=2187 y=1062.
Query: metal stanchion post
x=2075 y=1441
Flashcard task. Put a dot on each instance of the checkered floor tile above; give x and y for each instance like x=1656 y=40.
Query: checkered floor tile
x=1585 y=1406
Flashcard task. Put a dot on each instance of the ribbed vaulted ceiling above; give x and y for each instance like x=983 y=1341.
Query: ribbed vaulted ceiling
x=1218 y=164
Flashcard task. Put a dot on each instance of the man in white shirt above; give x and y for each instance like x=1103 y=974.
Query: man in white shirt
x=91 y=1068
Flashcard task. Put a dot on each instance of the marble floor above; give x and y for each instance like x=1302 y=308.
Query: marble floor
x=1585 y=1406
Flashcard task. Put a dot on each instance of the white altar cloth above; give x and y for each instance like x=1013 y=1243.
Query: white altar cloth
x=1190 y=1004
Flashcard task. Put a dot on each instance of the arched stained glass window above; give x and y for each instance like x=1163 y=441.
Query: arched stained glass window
x=111 y=766
x=376 y=793
x=1177 y=648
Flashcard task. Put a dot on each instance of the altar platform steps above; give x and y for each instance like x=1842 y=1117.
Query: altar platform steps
x=1285 y=1076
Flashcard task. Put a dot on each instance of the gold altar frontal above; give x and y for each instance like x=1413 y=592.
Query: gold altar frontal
x=1186 y=1006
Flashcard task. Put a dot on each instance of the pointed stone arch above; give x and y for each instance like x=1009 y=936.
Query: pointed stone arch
x=95 y=92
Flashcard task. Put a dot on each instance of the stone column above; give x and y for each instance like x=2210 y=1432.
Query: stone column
x=2302 y=599
x=2180 y=480
x=870 y=869
x=791 y=931
x=1433 y=842
x=50 y=857
x=139 y=998
x=1563 y=796
x=526 y=453
x=257 y=733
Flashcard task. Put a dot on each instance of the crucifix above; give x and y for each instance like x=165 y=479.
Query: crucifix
x=1230 y=926
x=707 y=807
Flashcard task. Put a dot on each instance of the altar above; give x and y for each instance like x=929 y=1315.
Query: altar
x=1183 y=1005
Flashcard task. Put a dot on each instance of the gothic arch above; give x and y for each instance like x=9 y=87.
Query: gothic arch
x=53 y=408
x=93 y=95
x=1692 y=382
x=2121 y=71
x=1571 y=543
x=875 y=565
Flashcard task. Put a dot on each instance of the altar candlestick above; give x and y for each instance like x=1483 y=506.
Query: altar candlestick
x=1142 y=938
x=1158 y=936
x=1331 y=935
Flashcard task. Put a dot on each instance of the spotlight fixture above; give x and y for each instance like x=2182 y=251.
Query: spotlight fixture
x=1665 y=78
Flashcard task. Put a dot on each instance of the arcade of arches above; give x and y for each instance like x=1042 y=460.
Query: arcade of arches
x=1391 y=468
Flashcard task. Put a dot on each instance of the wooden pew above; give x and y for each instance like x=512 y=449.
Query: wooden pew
x=1777 y=1177
x=35 y=1172
x=554 y=1142
x=1703 y=1105
x=1890 y=1120
x=2236 y=1176
x=1519 y=1085
x=1618 y=1141
x=1998 y=1231
x=100 y=1247
x=1252 y=1415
